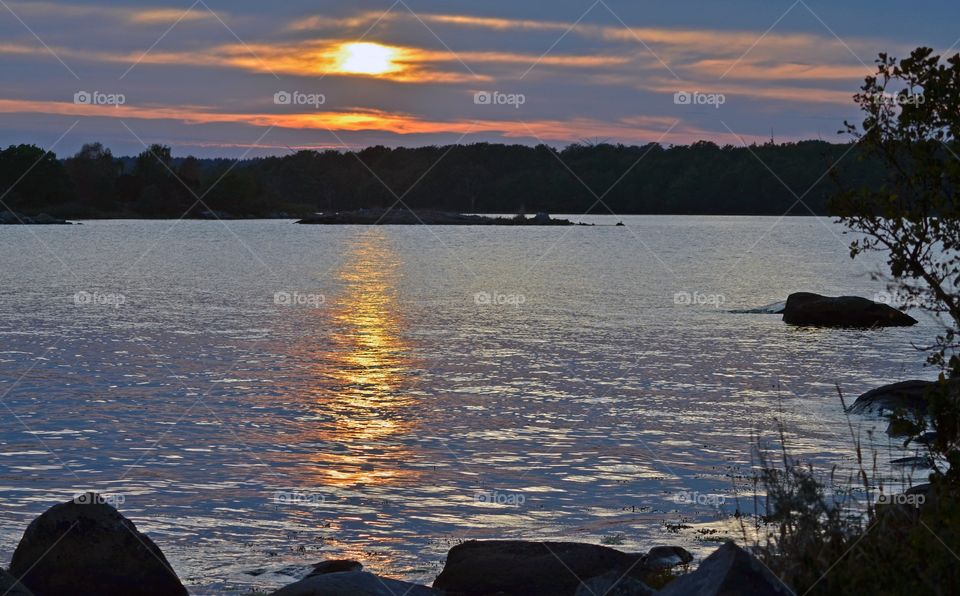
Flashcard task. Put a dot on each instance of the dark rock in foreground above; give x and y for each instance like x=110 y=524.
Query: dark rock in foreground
x=614 y=583
x=9 y=218
x=807 y=309
x=520 y=568
x=729 y=571
x=352 y=583
x=905 y=395
x=11 y=586
x=85 y=547
x=405 y=217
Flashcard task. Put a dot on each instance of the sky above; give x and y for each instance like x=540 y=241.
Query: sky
x=243 y=79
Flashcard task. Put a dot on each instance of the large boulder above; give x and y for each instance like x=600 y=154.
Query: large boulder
x=352 y=583
x=808 y=309
x=729 y=571
x=11 y=586
x=84 y=547
x=521 y=568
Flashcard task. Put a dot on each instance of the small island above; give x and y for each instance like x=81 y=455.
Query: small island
x=405 y=217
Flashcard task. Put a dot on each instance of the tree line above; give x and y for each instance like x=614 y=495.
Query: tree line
x=702 y=178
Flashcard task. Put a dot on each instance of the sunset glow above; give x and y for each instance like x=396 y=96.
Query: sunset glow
x=367 y=58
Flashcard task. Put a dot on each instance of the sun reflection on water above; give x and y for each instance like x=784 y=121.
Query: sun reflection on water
x=363 y=378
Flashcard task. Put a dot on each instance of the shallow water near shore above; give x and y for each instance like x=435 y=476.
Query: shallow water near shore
x=256 y=394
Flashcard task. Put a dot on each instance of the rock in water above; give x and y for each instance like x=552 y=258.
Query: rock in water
x=729 y=571
x=85 y=547
x=807 y=309
x=905 y=395
x=11 y=586
x=335 y=566
x=520 y=568
x=352 y=583
x=666 y=557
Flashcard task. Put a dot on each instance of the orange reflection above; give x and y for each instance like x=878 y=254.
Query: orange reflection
x=365 y=375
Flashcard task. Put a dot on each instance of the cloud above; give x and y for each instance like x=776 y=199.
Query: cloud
x=631 y=129
x=133 y=16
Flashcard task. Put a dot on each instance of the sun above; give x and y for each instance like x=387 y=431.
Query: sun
x=367 y=58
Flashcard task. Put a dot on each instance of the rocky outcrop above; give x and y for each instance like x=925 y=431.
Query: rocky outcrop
x=807 y=309
x=405 y=217
x=729 y=571
x=84 y=547
x=352 y=583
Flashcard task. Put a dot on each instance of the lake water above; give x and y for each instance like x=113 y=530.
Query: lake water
x=262 y=395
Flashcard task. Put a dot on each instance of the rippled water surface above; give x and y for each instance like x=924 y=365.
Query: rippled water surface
x=269 y=395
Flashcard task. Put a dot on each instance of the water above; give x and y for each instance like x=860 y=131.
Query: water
x=390 y=412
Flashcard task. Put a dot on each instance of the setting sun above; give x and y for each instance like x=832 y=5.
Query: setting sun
x=367 y=58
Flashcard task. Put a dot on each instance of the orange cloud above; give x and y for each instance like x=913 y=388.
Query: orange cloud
x=638 y=129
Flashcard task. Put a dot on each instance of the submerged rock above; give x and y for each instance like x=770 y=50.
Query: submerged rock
x=808 y=309
x=771 y=309
x=729 y=571
x=352 y=583
x=521 y=568
x=84 y=547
